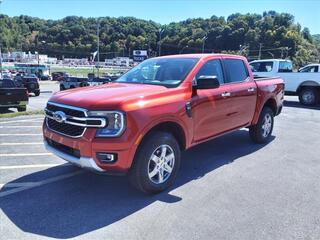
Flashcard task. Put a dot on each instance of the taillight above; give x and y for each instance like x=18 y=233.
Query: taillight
x=26 y=92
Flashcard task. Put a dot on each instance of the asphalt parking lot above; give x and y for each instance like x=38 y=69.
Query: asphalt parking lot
x=228 y=188
x=47 y=89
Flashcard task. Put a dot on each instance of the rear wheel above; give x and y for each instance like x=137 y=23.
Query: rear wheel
x=308 y=96
x=62 y=87
x=22 y=109
x=37 y=92
x=261 y=132
x=156 y=163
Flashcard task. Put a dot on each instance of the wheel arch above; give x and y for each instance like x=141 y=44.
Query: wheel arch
x=308 y=83
x=171 y=127
x=271 y=103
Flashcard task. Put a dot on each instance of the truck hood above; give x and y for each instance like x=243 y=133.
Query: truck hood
x=108 y=96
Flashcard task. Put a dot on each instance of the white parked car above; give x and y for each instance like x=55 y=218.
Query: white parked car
x=314 y=68
x=305 y=83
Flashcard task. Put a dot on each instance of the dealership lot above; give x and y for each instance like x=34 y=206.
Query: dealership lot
x=227 y=188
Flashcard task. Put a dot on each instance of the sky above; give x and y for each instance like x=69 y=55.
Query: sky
x=306 y=12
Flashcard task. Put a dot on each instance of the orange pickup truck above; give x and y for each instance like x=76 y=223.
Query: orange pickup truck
x=140 y=123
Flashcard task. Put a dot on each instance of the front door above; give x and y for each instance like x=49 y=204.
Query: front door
x=210 y=107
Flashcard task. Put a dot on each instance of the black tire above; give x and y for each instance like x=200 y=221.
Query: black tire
x=37 y=93
x=142 y=165
x=22 y=109
x=308 y=96
x=257 y=132
x=62 y=87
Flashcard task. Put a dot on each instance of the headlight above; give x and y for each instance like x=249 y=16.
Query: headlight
x=115 y=123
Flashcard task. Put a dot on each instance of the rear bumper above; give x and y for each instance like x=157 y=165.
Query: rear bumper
x=19 y=104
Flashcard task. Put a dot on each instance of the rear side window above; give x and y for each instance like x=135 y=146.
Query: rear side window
x=285 y=66
x=236 y=70
x=310 y=69
x=261 y=66
x=212 y=68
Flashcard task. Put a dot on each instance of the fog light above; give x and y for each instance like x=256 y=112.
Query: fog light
x=107 y=157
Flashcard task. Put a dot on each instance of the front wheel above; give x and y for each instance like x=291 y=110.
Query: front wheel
x=156 y=163
x=261 y=132
x=308 y=96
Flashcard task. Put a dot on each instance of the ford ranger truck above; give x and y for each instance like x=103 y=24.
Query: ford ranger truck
x=140 y=123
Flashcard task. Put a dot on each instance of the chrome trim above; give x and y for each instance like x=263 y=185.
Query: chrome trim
x=102 y=120
x=85 y=111
x=84 y=162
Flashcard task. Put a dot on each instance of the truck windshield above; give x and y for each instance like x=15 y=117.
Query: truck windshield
x=168 y=72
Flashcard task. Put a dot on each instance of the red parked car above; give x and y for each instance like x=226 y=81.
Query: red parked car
x=140 y=123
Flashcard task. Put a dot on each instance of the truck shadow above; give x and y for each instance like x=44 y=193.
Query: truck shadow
x=87 y=202
x=297 y=104
x=2 y=111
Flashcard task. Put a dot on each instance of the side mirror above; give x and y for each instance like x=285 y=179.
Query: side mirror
x=207 y=82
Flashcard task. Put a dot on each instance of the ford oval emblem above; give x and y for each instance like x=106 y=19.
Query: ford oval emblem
x=59 y=116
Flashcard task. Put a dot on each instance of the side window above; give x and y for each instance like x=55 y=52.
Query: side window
x=285 y=66
x=261 y=66
x=316 y=69
x=236 y=69
x=306 y=69
x=212 y=68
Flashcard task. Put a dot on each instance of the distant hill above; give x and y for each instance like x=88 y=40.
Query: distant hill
x=276 y=33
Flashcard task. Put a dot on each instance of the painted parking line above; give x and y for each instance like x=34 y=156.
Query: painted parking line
x=25 y=143
x=38 y=184
x=33 y=166
x=24 y=154
x=20 y=134
x=24 y=120
x=21 y=126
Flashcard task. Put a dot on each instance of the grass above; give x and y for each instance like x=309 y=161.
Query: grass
x=16 y=114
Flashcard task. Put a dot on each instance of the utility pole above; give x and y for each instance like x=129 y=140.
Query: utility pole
x=204 y=42
x=98 y=46
x=260 y=48
x=161 y=30
x=0 y=49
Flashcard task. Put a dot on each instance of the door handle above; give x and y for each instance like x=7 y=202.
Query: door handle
x=251 y=89
x=225 y=94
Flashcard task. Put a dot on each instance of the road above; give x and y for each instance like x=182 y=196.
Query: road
x=228 y=188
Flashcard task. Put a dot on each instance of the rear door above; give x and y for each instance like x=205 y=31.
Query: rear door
x=243 y=91
x=210 y=107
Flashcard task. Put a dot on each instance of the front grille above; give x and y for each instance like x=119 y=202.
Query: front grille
x=67 y=111
x=64 y=148
x=65 y=128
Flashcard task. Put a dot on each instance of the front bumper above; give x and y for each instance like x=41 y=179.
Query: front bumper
x=87 y=148
x=84 y=162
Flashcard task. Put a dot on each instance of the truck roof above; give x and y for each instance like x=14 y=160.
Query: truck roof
x=271 y=60
x=202 y=55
